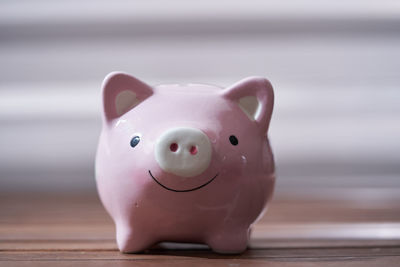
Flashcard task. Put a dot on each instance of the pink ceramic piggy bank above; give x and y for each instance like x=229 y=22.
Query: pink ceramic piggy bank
x=185 y=163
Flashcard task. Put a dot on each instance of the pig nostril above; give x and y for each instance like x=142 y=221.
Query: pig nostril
x=193 y=150
x=173 y=147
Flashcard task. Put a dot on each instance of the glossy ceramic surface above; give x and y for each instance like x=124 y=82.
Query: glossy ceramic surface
x=185 y=163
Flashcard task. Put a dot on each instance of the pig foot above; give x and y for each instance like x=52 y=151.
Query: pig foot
x=229 y=242
x=130 y=241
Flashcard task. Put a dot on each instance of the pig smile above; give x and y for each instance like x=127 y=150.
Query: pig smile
x=187 y=190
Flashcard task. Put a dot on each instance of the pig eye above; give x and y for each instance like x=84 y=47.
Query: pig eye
x=135 y=140
x=234 y=141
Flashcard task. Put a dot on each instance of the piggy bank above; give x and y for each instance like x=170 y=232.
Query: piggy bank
x=184 y=163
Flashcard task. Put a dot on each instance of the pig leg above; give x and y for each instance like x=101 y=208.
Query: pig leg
x=229 y=241
x=132 y=239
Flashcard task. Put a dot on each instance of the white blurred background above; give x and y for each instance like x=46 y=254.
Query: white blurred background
x=335 y=67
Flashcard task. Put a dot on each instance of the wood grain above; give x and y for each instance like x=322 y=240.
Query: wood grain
x=65 y=230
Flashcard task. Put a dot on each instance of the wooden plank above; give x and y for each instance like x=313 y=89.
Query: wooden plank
x=281 y=257
x=56 y=222
x=86 y=237
x=87 y=209
x=65 y=230
x=57 y=245
x=204 y=253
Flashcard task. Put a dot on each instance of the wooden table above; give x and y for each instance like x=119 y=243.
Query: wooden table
x=74 y=230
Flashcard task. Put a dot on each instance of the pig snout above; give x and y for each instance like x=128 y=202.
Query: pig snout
x=183 y=151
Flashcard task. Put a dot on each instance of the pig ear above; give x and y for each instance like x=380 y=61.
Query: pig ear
x=121 y=93
x=255 y=97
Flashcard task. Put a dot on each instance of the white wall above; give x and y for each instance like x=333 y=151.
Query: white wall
x=334 y=65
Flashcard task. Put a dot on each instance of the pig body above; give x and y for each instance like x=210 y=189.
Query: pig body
x=184 y=163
